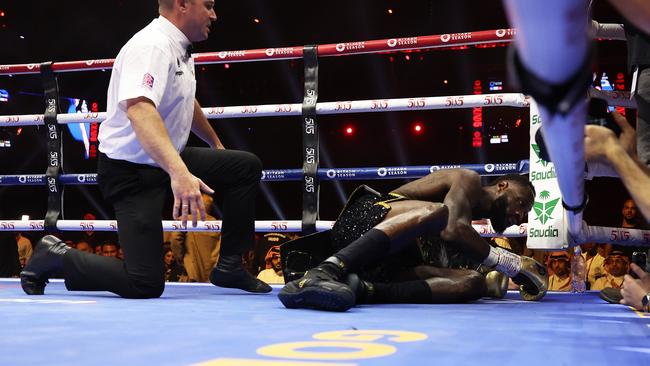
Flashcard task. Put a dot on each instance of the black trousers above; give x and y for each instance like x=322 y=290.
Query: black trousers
x=137 y=192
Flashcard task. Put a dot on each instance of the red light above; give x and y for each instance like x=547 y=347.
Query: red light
x=349 y=131
x=418 y=128
x=407 y=57
x=2 y=13
x=19 y=131
x=226 y=66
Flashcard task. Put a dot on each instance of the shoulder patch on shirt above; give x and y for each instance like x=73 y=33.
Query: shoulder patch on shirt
x=147 y=80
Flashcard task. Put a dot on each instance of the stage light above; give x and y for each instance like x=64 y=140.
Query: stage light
x=256 y=20
x=389 y=11
x=418 y=128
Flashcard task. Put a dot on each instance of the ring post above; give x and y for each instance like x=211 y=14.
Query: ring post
x=54 y=148
x=311 y=184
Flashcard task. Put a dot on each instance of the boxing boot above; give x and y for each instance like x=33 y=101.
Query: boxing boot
x=363 y=290
x=46 y=261
x=230 y=273
x=319 y=289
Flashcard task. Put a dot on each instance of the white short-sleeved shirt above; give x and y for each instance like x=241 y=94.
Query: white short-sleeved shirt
x=152 y=64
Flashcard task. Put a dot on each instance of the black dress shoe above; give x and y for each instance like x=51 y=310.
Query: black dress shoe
x=46 y=261
x=230 y=273
x=238 y=278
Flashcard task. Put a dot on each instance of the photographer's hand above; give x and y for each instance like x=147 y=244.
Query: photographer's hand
x=627 y=139
x=634 y=290
x=599 y=142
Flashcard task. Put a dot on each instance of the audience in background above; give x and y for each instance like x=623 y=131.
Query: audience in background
x=197 y=251
x=595 y=255
x=617 y=264
x=24 y=249
x=109 y=249
x=84 y=246
x=559 y=265
x=272 y=274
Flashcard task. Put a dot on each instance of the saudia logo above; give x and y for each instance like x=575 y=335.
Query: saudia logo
x=544 y=209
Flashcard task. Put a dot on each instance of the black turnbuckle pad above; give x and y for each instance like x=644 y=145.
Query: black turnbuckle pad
x=556 y=98
x=579 y=208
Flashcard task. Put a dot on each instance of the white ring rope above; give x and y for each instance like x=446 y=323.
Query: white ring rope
x=617 y=98
x=592 y=234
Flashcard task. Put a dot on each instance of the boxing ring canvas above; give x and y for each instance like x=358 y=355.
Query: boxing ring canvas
x=199 y=324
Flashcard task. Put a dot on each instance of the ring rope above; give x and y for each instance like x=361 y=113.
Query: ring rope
x=614 y=98
x=213 y=226
x=442 y=41
x=285 y=175
x=595 y=234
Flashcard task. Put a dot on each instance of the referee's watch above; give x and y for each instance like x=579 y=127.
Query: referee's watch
x=645 y=302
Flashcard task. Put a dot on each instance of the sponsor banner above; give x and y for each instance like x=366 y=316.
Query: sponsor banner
x=547 y=227
x=617 y=235
x=282 y=174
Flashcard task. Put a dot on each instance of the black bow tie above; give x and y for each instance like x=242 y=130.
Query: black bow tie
x=188 y=51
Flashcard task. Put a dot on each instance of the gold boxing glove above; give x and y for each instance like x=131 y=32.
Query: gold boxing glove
x=532 y=279
x=497 y=284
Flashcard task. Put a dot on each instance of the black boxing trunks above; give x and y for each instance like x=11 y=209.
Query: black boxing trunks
x=364 y=210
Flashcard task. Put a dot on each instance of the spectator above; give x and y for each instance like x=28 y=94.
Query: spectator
x=84 y=246
x=264 y=244
x=560 y=265
x=595 y=255
x=109 y=249
x=24 y=249
x=173 y=270
x=273 y=272
x=630 y=217
x=616 y=266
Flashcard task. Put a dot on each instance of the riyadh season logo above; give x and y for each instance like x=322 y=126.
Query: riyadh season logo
x=545 y=207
